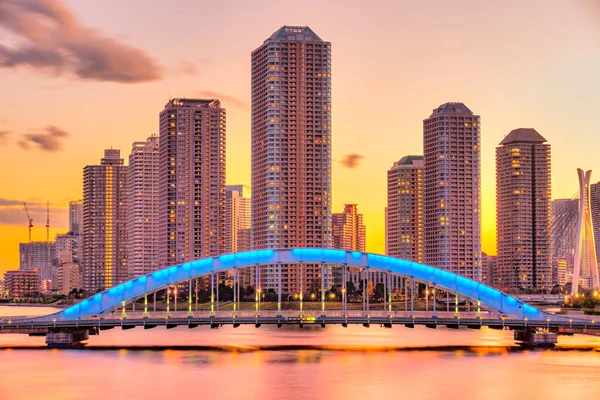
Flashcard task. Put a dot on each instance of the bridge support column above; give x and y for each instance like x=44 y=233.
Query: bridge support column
x=190 y=298
x=145 y=305
x=175 y=296
x=426 y=297
x=235 y=283
x=478 y=309
x=196 y=290
x=212 y=294
x=123 y=313
x=412 y=296
x=456 y=313
x=168 y=301
x=434 y=301
x=389 y=292
x=367 y=290
x=405 y=291
x=154 y=299
x=256 y=289
x=345 y=289
x=301 y=288
x=279 y=289
x=322 y=289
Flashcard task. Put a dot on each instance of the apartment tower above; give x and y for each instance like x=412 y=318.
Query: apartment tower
x=452 y=190
x=291 y=149
x=349 y=232
x=104 y=259
x=142 y=252
x=191 y=180
x=404 y=211
x=523 y=211
x=238 y=219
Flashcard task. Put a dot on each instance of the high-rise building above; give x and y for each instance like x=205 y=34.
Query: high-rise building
x=595 y=211
x=349 y=232
x=291 y=149
x=563 y=235
x=452 y=190
x=66 y=277
x=191 y=180
x=39 y=256
x=104 y=260
x=404 y=211
x=142 y=214
x=75 y=228
x=489 y=269
x=523 y=211
x=237 y=218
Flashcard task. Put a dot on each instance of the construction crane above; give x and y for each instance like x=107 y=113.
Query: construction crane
x=30 y=221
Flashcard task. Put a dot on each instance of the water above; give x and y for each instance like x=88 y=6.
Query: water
x=294 y=363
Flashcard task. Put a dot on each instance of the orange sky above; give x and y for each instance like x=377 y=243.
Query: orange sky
x=100 y=71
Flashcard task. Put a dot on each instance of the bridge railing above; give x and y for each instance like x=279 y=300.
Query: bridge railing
x=286 y=314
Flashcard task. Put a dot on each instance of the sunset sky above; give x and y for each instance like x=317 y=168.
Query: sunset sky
x=77 y=77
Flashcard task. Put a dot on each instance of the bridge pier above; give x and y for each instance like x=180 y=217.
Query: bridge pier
x=67 y=339
x=535 y=337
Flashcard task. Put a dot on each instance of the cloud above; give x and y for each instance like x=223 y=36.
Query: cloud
x=4 y=136
x=10 y=202
x=226 y=100
x=49 y=140
x=187 y=68
x=13 y=213
x=351 y=160
x=52 y=39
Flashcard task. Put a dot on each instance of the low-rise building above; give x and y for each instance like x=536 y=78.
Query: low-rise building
x=22 y=283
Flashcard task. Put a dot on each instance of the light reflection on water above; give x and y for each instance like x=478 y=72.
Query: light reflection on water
x=310 y=363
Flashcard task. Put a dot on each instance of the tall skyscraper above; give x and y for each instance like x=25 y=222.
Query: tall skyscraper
x=349 y=232
x=452 y=190
x=595 y=211
x=404 y=211
x=104 y=261
x=75 y=228
x=523 y=211
x=238 y=219
x=291 y=147
x=191 y=180
x=142 y=215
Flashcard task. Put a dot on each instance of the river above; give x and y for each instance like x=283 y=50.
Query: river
x=297 y=363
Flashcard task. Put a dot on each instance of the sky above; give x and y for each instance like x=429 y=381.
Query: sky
x=77 y=77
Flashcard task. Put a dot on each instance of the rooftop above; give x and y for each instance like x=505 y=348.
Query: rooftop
x=452 y=109
x=287 y=32
x=527 y=135
x=202 y=103
x=411 y=160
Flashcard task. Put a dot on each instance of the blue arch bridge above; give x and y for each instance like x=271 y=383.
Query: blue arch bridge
x=456 y=301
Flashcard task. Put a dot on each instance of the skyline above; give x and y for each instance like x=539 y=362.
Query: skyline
x=222 y=77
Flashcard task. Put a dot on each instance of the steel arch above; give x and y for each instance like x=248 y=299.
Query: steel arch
x=115 y=296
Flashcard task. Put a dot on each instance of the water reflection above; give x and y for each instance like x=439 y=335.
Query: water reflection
x=293 y=363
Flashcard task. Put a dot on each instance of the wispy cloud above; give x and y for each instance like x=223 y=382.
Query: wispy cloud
x=187 y=68
x=226 y=100
x=51 y=139
x=351 y=160
x=12 y=212
x=52 y=39
x=4 y=136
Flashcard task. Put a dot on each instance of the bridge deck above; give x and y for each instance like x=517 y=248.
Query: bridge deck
x=197 y=318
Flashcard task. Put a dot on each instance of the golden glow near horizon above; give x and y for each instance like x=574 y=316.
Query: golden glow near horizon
x=393 y=63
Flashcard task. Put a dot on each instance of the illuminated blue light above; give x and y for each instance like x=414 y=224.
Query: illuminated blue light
x=113 y=297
